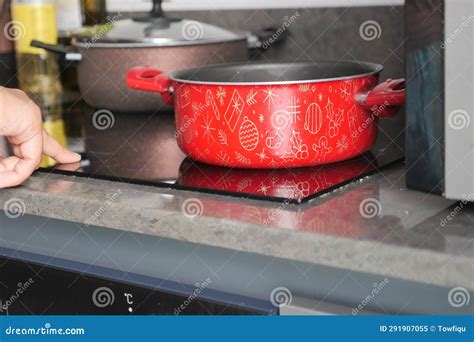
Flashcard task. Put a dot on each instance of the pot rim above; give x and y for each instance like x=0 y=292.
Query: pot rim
x=372 y=69
x=164 y=44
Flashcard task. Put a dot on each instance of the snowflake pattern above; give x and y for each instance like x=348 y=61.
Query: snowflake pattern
x=208 y=129
x=270 y=98
x=342 y=144
x=223 y=158
x=346 y=89
x=221 y=95
x=263 y=188
x=262 y=155
x=224 y=111
x=294 y=107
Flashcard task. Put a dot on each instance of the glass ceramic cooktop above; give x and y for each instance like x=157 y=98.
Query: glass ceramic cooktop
x=141 y=149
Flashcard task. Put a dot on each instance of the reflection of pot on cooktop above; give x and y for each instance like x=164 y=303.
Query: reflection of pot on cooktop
x=327 y=218
x=293 y=184
x=139 y=146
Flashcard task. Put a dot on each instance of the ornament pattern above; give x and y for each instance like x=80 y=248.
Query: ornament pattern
x=248 y=135
x=313 y=119
x=275 y=126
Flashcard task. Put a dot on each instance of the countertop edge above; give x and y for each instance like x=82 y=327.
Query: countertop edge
x=391 y=261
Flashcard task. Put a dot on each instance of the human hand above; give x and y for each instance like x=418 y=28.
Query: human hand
x=21 y=123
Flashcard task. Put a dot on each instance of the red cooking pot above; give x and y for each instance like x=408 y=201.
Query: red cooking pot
x=275 y=115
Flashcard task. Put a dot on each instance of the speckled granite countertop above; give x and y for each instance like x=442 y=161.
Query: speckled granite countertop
x=375 y=225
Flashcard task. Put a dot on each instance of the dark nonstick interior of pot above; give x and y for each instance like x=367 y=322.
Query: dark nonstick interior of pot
x=276 y=72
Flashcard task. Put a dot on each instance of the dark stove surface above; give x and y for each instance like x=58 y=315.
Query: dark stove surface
x=142 y=149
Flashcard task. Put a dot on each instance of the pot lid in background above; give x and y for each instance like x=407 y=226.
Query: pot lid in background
x=153 y=32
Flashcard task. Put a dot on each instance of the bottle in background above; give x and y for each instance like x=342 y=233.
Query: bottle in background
x=38 y=71
x=68 y=17
x=69 y=22
x=8 y=35
x=95 y=12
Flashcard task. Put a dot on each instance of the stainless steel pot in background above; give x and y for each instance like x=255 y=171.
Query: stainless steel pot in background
x=106 y=52
x=102 y=71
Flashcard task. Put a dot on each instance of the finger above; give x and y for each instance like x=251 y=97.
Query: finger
x=69 y=167
x=31 y=157
x=16 y=151
x=8 y=163
x=52 y=148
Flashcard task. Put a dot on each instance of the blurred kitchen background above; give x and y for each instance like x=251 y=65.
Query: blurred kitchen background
x=368 y=30
x=324 y=29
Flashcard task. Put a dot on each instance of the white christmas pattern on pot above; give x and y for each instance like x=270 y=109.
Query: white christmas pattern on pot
x=278 y=125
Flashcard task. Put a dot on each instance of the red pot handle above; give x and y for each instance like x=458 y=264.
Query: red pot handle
x=385 y=99
x=152 y=80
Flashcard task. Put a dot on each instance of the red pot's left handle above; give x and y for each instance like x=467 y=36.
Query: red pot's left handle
x=152 y=80
x=385 y=99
